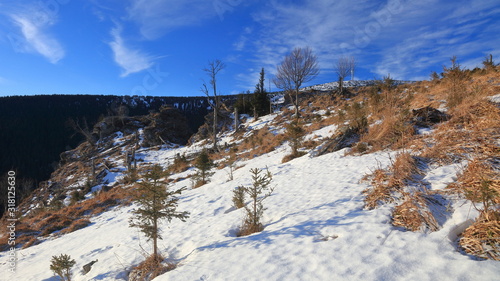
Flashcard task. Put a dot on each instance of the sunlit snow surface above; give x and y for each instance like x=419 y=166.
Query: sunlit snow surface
x=315 y=229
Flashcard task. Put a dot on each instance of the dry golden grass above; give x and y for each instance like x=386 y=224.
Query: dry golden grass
x=482 y=238
x=414 y=215
x=480 y=183
x=291 y=156
x=393 y=132
x=403 y=169
x=473 y=129
x=66 y=219
x=53 y=223
x=314 y=101
x=260 y=142
x=76 y=225
x=427 y=93
x=151 y=268
x=31 y=242
x=247 y=229
x=380 y=192
x=386 y=183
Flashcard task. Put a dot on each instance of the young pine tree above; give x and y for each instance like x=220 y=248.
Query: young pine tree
x=259 y=191
x=204 y=164
x=261 y=103
x=294 y=134
x=156 y=203
x=61 y=265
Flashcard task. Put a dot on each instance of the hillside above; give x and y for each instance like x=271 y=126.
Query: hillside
x=392 y=182
x=37 y=125
x=35 y=129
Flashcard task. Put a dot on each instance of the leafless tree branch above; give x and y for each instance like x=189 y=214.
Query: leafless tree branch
x=297 y=68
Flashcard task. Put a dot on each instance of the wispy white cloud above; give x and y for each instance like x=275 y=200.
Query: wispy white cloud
x=157 y=17
x=130 y=60
x=240 y=44
x=399 y=37
x=36 y=38
x=466 y=33
x=323 y=25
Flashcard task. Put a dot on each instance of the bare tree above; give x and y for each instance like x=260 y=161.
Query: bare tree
x=214 y=67
x=298 y=67
x=345 y=66
x=82 y=129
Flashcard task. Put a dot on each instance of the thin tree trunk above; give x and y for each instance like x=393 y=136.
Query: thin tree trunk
x=297 y=114
x=216 y=113
x=341 y=85
x=155 y=238
x=236 y=119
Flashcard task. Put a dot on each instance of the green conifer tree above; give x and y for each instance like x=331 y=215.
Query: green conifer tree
x=258 y=192
x=61 y=265
x=261 y=103
x=204 y=165
x=155 y=202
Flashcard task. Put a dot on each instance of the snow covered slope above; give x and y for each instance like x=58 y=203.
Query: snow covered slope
x=349 y=84
x=315 y=229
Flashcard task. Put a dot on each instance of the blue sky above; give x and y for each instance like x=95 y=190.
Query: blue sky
x=159 y=47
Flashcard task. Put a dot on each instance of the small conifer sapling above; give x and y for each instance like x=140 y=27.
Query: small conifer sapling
x=156 y=203
x=203 y=164
x=61 y=265
x=258 y=192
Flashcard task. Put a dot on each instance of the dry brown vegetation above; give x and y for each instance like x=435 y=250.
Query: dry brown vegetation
x=180 y=164
x=152 y=267
x=413 y=214
x=387 y=184
x=256 y=143
x=471 y=133
x=479 y=182
x=45 y=222
x=481 y=239
x=380 y=192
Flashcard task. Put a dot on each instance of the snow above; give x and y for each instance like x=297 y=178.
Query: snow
x=348 y=84
x=315 y=229
x=322 y=133
x=495 y=98
x=424 y=131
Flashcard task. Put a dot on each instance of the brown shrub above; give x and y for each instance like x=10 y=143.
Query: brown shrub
x=77 y=224
x=387 y=182
x=54 y=223
x=480 y=183
x=131 y=176
x=247 y=229
x=404 y=167
x=180 y=164
x=414 y=215
x=394 y=131
x=482 y=238
x=150 y=268
x=380 y=192
x=239 y=197
x=290 y=157
x=259 y=142
x=31 y=242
